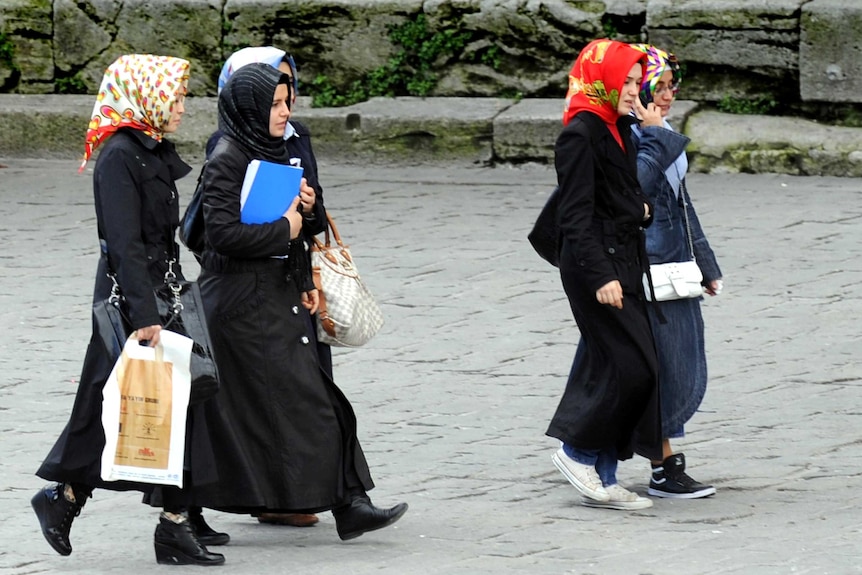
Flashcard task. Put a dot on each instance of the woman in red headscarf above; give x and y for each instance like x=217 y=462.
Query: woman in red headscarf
x=609 y=409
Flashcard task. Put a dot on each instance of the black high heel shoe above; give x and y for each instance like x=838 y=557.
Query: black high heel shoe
x=176 y=544
x=362 y=516
x=56 y=514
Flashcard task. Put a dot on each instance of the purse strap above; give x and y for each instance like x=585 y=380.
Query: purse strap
x=683 y=192
x=327 y=243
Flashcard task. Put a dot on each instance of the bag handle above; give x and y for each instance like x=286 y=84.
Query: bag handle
x=327 y=243
x=683 y=193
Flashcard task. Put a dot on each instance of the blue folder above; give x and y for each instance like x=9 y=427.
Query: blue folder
x=267 y=191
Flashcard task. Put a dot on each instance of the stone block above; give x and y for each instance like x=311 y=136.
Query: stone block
x=79 y=35
x=830 y=51
x=528 y=130
x=56 y=126
x=27 y=64
x=737 y=48
x=724 y=14
x=765 y=144
x=340 y=39
x=415 y=129
x=189 y=29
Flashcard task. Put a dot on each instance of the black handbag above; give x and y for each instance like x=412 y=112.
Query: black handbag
x=191 y=228
x=181 y=310
x=545 y=235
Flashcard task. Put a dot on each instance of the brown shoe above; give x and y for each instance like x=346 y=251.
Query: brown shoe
x=292 y=519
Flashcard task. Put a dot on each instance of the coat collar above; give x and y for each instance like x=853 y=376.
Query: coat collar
x=167 y=153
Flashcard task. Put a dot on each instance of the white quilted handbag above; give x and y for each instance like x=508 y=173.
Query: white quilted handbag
x=348 y=315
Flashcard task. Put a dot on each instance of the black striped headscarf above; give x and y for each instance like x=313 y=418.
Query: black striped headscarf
x=244 y=107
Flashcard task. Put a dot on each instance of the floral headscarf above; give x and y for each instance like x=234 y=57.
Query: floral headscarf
x=138 y=91
x=658 y=62
x=596 y=79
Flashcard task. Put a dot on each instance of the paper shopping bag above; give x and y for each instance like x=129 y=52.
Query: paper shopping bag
x=144 y=410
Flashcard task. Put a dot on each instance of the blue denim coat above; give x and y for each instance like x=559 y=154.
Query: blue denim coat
x=680 y=339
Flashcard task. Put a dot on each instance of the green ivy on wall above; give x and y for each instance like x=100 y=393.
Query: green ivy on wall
x=409 y=73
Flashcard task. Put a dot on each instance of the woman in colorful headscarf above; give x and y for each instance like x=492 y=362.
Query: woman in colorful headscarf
x=140 y=101
x=286 y=434
x=662 y=166
x=609 y=409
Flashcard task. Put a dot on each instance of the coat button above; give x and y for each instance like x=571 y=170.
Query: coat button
x=295 y=310
x=612 y=251
x=304 y=340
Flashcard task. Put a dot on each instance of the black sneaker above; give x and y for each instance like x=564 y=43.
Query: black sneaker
x=670 y=480
x=56 y=514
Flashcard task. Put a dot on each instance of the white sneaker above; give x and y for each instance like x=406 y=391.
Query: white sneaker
x=620 y=498
x=583 y=477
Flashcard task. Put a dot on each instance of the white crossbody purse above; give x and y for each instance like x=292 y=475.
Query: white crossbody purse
x=676 y=280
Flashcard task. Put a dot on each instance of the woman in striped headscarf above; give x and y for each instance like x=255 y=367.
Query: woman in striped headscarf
x=677 y=324
x=286 y=433
x=140 y=102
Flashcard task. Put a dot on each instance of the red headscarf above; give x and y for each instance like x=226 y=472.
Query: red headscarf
x=596 y=79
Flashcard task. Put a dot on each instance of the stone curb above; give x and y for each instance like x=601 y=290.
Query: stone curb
x=483 y=130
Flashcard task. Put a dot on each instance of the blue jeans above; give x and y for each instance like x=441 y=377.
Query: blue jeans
x=605 y=461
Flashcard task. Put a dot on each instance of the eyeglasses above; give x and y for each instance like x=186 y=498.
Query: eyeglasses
x=674 y=88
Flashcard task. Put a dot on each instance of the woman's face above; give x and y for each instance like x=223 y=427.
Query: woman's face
x=176 y=114
x=629 y=92
x=284 y=68
x=663 y=95
x=279 y=114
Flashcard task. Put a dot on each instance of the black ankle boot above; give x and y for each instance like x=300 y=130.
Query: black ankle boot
x=205 y=534
x=56 y=514
x=176 y=544
x=362 y=516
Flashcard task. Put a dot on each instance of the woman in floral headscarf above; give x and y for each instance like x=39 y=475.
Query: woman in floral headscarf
x=662 y=165
x=610 y=406
x=140 y=101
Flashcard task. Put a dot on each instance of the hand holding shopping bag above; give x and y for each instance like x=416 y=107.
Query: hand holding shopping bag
x=144 y=410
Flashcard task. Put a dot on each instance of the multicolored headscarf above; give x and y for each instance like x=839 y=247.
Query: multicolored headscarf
x=138 y=91
x=658 y=62
x=596 y=79
x=263 y=54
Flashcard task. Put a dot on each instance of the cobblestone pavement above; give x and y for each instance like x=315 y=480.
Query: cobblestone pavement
x=454 y=394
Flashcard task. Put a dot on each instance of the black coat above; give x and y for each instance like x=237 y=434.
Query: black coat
x=302 y=155
x=137 y=213
x=286 y=433
x=611 y=397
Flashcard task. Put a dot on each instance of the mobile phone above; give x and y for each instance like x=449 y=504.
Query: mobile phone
x=646 y=97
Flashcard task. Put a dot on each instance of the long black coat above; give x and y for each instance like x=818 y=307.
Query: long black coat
x=611 y=397
x=137 y=213
x=302 y=155
x=286 y=435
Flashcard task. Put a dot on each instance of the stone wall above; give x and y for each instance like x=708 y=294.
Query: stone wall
x=789 y=51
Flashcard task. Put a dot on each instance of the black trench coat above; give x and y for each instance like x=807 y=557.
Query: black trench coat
x=611 y=397
x=137 y=213
x=286 y=435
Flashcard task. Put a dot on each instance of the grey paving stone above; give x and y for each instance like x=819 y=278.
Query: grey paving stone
x=454 y=394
